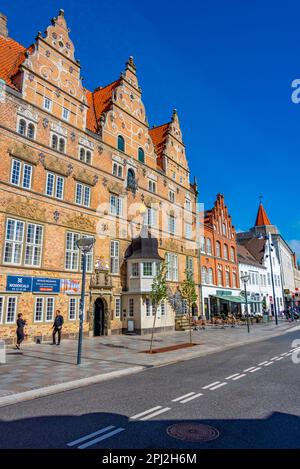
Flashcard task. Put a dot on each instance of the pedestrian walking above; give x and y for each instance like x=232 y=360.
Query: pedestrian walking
x=57 y=327
x=20 y=330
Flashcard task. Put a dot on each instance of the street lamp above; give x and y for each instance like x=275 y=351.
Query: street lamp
x=85 y=245
x=245 y=278
x=270 y=246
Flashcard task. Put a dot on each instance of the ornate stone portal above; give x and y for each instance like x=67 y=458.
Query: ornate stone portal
x=100 y=297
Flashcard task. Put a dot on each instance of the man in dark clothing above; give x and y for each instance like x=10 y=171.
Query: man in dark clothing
x=57 y=326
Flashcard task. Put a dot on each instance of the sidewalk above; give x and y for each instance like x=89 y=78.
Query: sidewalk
x=46 y=369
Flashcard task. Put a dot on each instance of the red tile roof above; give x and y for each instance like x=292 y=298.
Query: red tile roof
x=262 y=217
x=12 y=54
x=99 y=102
x=159 y=136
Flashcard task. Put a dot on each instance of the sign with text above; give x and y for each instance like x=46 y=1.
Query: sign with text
x=45 y=285
x=18 y=284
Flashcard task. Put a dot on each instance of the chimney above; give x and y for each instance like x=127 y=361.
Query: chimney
x=3 y=25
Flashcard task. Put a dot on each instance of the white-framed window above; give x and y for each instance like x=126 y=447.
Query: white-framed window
x=27 y=129
x=163 y=308
x=148 y=307
x=151 y=217
x=33 y=249
x=220 y=277
x=38 y=309
x=218 y=249
x=73 y=260
x=147 y=269
x=85 y=155
x=131 y=306
x=188 y=230
x=172 y=266
x=117 y=306
x=83 y=195
x=189 y=265
x=210 y=276
x=171 y=224
x=225 y=251
x=232 y=254
x=114 y=257
x=117 y=170
x=14 y=235
x=1 y=308
x=171 y=196
x=204 y=274
x=65 y=114
x=55 y=186
x=152 y=186
x=47 y=104
x=208 y=246
x=202 y=244
x=115 y=206
x=58 y=143
x=188 y=204
x=227 y=278
x=73 y=308
x=11 y=310
x=21 y=174
x=135 y=269
x=234 y=280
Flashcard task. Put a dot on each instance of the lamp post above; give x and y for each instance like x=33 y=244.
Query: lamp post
x=85 y=245
x=245 y=278
x=270 y=245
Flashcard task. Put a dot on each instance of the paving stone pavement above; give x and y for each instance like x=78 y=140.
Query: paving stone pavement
x=42 y=365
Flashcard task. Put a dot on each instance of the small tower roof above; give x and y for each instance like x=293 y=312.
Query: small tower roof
x=262 y=218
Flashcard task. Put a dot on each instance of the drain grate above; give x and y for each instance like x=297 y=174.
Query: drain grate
x=195 y=432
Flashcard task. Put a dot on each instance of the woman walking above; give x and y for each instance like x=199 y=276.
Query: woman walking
x=20 y=330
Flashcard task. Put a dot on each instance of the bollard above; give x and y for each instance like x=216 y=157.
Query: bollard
x=2 y=352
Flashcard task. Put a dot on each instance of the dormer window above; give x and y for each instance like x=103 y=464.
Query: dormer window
x=141 y=155
x=121 y=143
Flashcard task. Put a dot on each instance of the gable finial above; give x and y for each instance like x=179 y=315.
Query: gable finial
x=130 y=64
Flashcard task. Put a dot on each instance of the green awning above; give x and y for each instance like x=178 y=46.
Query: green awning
x=234 y=299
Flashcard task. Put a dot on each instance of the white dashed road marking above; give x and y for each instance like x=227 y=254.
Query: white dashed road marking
x=279 y=358
x=255 y=369
x=270 y=363
x=191 y=398
x=182 y=397
x=91 y=435
x=101 y=438
x=158 y=412
x=262 y=363
x=232 y=376
x=248 y=369
x=145 y=412
x=218 y=386
x=211 y=384
x=238 y=377
x=274 y=358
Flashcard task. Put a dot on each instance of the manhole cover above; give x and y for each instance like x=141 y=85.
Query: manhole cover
x=193 y=432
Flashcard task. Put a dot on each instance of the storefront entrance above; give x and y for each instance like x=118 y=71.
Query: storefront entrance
x=99 y=317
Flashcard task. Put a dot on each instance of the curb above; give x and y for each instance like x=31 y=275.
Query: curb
x=62 y=387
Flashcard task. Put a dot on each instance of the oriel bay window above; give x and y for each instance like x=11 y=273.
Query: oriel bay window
x=83 y=195
x=55 y=186
x=21 y=174
x=147 y=269
x=15 y=242
x=73 y=257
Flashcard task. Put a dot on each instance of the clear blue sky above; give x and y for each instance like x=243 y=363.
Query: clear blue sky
x=226 y=65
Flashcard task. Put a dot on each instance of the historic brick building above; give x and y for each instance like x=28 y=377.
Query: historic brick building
x=77 y=163
x=219 y=265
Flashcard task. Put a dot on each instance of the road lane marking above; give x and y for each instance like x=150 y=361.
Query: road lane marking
x=248 y=369
x=218 y=386
x=101 y=438
x=182 y=397
x=87 y=437
x=274 y=358
x=238 y=377
x=158 y=412
x=145 y=412
x=211 y=384
x=280 y=358
x=289 y=354
x=232 y=376
x=284 y=354
x=262 y=363
x=191 y=398
x=255 y=369
x=270 y=363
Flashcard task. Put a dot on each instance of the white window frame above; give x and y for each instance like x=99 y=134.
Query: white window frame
x=47 y=100
x=65 y=115
x=48 y=298
x=1 y=309
x=188 y=230
x=36 y=301
x=148 y=307
x=14 y=241
x=54 y=191
x=114 y=257
x=15 y=298
x=21 y=173
x=172 y=267
x=146 y=266
x=151 y=217
x=115 y=205
x=135 y=270
x=73 y=254
x=131 y=307
x=171 y=196
x=73 y=300
x=117 y=307
x=152 y=186
x=84 y=189
x=171 y=224
x=36 y=247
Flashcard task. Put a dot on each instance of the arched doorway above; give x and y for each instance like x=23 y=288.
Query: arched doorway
x=99 y=317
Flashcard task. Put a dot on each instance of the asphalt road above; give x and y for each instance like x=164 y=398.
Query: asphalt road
x=249 y=394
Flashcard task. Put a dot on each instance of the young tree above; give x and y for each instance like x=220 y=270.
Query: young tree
x=188 y=291
x=158 y=294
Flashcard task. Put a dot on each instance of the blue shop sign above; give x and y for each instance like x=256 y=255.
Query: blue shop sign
x=45 y=285
x=18 y=284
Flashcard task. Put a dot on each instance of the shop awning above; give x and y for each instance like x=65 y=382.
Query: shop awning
x=235 y=299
